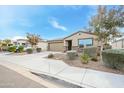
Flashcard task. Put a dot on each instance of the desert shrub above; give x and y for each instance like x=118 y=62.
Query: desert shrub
x=29 y=50
x=20 y=49
x=50 y=55
x=94 y=59
x=12 y=49
x=113 y=58
x=38 y=49
x=71 y=54
x=90 y=51
x=84 y=58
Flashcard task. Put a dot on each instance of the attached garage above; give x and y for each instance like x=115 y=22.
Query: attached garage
x=56 y=45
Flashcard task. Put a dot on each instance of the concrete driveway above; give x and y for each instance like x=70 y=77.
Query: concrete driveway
x=57 y=68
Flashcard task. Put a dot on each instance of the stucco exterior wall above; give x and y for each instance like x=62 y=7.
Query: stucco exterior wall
x=77 y=36
x=114 y=45
x=21 y=42
x=118 y=44
x=43 y=45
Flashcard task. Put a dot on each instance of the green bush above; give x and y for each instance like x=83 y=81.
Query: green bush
x=20 y=49
x=91 y=51
x=50 y=55
x=71 y=54
x=38 y=49
x=29 y=50
x=113 y=58
x=84 y=58
x=12 y=49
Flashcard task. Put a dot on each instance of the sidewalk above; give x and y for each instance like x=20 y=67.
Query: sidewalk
x=57 y=68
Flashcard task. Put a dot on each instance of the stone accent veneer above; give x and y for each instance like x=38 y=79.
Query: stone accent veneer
x=73 y=48
x=65 y=48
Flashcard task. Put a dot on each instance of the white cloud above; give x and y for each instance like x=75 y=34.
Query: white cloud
x=57 y=25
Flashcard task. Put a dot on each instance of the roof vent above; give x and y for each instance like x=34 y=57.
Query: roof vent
x=79 y=33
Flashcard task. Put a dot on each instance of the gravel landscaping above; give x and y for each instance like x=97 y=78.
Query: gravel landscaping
x=91 y=65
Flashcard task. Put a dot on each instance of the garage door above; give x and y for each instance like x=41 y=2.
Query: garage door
x=56 y=46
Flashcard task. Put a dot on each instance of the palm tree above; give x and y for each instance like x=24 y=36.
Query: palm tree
x=33 y=39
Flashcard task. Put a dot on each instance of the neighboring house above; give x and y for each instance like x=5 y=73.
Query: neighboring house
x=22 y=42
x=56 y=45
x=43 y=45
x=118 y=43
x=76 y=41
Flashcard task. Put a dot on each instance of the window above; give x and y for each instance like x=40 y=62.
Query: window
x=85 y=42
x=23 y=44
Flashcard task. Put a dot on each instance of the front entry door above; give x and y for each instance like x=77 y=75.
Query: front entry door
x=70 y=45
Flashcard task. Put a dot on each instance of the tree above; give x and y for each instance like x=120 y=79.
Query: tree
x=106 y=22
x=114 y=20
x=96 y=24
x=0 y=45
x=33 y=39
x=7 y=42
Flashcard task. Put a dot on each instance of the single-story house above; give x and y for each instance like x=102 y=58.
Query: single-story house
x=79 y=40
x=56 y=45
x=76 y=41
x=23 y=42
x=118 y=43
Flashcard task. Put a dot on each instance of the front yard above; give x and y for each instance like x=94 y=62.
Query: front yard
x=96 y=65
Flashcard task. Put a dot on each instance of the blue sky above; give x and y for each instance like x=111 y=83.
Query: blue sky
x=50 y=22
